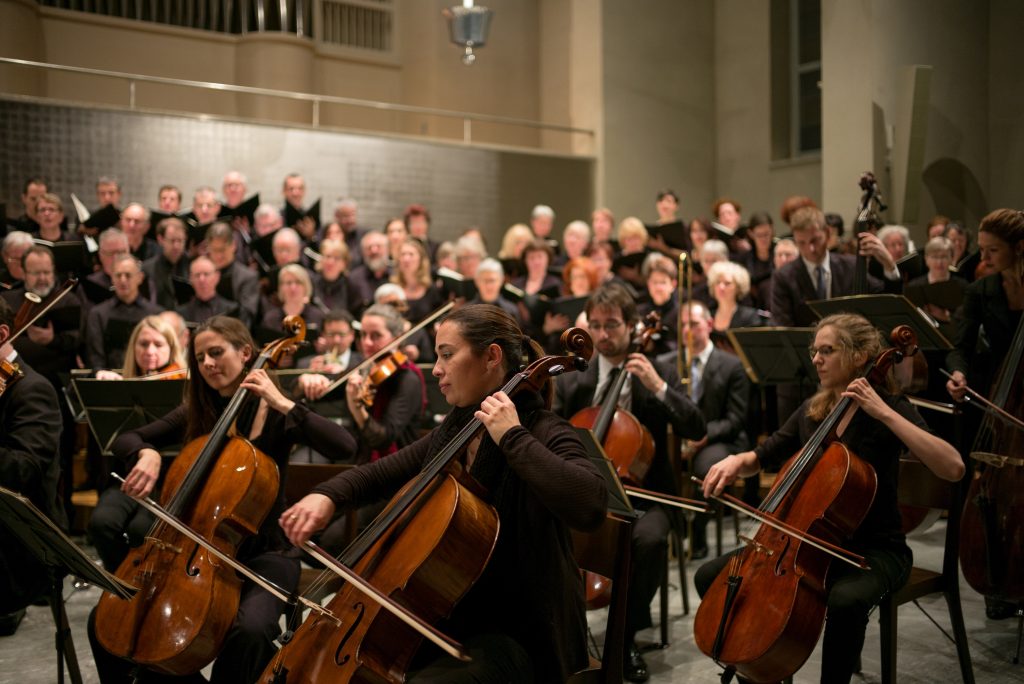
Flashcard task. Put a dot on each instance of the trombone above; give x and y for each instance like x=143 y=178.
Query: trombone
x=684 y=346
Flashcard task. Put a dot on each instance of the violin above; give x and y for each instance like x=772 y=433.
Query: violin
x=626 y=441
x=172 y=371
x=9 y=374
x=764 y=612
x=385 y=367
x=426 y=549
x=221 y=488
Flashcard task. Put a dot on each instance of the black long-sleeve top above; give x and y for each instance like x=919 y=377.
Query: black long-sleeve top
x=541 y=484
x=280 y=433
x=871 y=441
x=985 y=307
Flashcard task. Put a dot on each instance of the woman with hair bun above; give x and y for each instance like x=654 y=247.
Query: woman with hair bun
x=523 y=620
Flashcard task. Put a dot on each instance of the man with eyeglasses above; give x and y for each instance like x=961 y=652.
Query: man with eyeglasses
x=653 y=394
x=172 y=261
x=204 y=276
x=335 y=356
x=98 y=286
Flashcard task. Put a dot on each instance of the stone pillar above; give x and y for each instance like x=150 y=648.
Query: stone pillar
x=280 y=61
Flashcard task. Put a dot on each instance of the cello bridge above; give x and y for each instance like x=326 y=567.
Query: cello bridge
x=758 y=547
x=162 y=545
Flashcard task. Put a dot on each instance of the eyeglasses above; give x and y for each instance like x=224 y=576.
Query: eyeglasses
x=610 y=326
x=826 y=350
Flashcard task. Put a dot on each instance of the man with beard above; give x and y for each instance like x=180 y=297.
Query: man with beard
x=373 y=272
x=29 y=437
x=51 y=344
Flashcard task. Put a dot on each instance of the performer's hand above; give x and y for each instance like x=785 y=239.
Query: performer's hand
x=861 y=391
x=300 y=521
x=260 y=384
x=143 y=476
x=498 y=414
x=313 y=385
x=641 y=367
x=40 y=334
x=957 y=386
x=722 y=474
x=555 y=322
x=412 y=351
x=870 y=245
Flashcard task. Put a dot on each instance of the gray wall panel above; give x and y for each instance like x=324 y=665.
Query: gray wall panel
x=72 y=146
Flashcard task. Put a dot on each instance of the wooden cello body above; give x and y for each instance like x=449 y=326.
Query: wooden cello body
x=222 y=488
x=992 y=525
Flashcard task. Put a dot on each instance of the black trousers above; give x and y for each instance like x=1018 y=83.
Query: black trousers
x=117 y=524
x=647 y=565
x=496 y=659
x=852 y=594
x=249 y=645
x=702 y=462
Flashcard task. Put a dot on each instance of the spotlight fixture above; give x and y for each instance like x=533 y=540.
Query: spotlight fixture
x=468 y=25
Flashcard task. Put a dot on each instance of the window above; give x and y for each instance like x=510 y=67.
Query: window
x=796 y=77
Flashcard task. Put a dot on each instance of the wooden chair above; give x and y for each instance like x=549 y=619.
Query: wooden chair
x=606 y=551
x=919 y=487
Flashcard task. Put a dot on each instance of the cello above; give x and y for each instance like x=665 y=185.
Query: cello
x=626 y=441
x=222 y=488
x=425 y=550
x=762 y=615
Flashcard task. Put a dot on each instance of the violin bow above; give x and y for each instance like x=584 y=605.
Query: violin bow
x=820 y=544
x=667 y=499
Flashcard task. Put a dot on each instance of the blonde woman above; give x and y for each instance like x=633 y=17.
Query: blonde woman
x=295 y=292
x=152 y=348
x=413 y=276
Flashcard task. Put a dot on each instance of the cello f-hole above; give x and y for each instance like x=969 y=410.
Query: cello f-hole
x=190 y=567
x=779 y=570
x=360 y=611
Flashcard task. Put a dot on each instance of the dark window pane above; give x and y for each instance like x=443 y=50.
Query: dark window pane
x=810 y=111
x=809 y=31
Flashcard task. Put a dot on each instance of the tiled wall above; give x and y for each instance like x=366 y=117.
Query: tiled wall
x=72 y=146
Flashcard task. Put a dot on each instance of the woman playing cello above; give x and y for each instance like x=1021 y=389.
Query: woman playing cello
x=221 y=351
x=523 y=620
x=884 y=425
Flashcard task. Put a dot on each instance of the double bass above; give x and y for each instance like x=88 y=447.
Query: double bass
x=764 y=612
x=992 y=525
x=221 y=487
x=425 y=550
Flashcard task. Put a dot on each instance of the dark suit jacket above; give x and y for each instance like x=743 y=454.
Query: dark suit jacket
x=29 y=464
x=240 y=284
x=575 y=392
x=724 y=391
x=792 y=288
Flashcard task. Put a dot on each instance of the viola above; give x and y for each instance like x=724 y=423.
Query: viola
x=385 y=368
x=221 y=488
x=426 y=549
x=764 y=612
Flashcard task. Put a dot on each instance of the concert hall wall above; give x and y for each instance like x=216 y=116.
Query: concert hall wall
x=463 y=187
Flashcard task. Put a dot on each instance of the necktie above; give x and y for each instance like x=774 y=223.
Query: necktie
x=822 y=291
x=695 y=378
x=602 y=391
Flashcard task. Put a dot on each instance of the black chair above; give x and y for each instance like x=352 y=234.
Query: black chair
x=606 y=552
x=919 y=487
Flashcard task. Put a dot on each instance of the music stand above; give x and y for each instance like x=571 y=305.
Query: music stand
x=113 y=407
x=618 y=500
x=887 y=311
x=62 y=557
x=775 y=356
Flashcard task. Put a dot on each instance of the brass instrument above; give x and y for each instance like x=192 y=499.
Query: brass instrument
x=684 y=349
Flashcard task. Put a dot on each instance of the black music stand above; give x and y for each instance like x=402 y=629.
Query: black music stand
x=775 y=356
x=887 y=311
x=62 y=557
x=113 y=407
x=618 y=500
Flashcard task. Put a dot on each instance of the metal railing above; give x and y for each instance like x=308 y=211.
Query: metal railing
x=316 y=100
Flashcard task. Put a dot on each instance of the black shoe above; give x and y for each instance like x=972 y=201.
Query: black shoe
x=634 y=669
x=997 y=609
x=699 y=552
x=9 y=622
